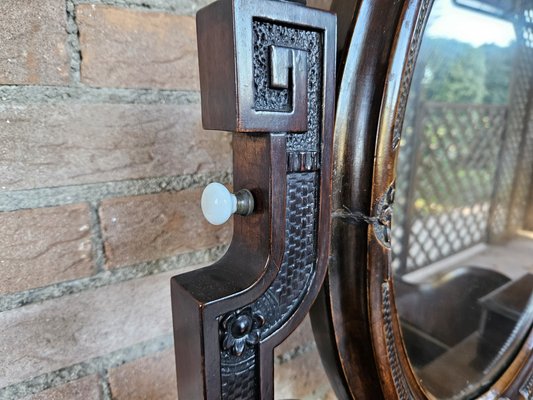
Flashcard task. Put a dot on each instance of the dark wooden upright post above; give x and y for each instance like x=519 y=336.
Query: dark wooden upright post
x=267 y=73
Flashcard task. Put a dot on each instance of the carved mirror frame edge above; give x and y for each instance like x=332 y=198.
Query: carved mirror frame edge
x=366 y=359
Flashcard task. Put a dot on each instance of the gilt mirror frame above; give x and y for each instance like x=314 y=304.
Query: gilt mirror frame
x=355 y=318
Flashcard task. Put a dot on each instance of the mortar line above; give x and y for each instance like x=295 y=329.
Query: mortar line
x=105 y=386
x=181 y=262
x=80 y=370
x=94 y=193
x=73 y=42
x=295 y=352
x=320 y=393
x=31 y=94
x=165 y=6
x=96 y=237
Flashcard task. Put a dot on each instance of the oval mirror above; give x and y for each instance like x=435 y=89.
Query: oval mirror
x=430 y=281
x=462 y=243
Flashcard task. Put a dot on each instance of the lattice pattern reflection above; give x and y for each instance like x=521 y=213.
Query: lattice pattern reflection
x=405 y=167
x=516 y=156
x=524 y=165
x=452 y=185
x=465 y=172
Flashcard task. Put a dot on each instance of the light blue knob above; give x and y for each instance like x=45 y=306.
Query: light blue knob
x=218 y=204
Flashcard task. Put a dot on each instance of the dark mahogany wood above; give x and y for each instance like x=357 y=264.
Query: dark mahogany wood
x=267 y=73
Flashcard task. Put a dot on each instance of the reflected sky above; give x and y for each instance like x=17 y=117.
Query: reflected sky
x=452 y=22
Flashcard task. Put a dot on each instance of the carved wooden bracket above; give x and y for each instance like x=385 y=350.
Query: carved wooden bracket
x=267 y=73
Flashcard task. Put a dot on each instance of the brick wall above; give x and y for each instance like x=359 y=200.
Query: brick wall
x=102 y=161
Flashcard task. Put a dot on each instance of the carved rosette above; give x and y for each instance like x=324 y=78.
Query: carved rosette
x=240 y=329
x=383 y=220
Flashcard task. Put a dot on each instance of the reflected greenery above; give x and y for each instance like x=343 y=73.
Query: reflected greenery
x=457 y=72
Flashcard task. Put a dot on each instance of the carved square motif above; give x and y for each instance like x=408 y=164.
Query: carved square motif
x=254 y=64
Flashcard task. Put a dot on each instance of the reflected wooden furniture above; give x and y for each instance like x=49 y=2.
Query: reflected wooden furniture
x=498 y=313
x=445 y=308
x=502 y=310
x=454 y=325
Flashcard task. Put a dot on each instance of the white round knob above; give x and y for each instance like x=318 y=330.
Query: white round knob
x=218 y=204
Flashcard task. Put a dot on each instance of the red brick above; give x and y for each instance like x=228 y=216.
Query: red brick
x=44 y=246
x=65 y=144
x=301 y=377
x=152 y=377
x=44 y=337
x=33 y=42
x=302 y=337
x=143 y=228
x=322 y=4
x=141 y=49
x=86 y=388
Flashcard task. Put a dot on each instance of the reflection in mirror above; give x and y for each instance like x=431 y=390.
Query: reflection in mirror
x=463 y=224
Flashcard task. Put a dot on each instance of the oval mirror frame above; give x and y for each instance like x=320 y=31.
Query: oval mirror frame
x=354 y=318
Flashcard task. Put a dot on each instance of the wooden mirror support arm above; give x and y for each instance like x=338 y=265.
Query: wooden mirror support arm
x=267 y=73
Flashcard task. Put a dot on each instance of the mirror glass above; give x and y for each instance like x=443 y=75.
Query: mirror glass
x=462 y=233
